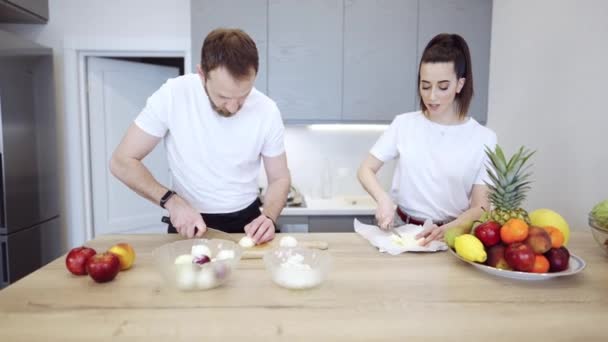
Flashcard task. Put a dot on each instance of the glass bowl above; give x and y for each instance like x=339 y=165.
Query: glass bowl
x=180 y=270
x=600 y=234
x=297 y=268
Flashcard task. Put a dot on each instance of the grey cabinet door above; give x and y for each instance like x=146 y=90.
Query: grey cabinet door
x=335 y=224
x=251 y=16
x=305 y=58
x=472 y=19
x=380 y=63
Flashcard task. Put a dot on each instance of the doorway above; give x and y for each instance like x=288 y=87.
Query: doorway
x=117 y=90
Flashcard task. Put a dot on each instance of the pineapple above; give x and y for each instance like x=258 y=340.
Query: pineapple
x=510 y=182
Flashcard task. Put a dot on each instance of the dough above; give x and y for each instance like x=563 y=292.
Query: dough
x=224 y=254
x=246 y=242
x=205 y=279
x=406 y=241
x=186 y=277
x=200 y=250
x=184 y=259
x=288 y=241
x=295 y=274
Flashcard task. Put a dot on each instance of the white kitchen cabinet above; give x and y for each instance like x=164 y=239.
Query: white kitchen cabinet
x=379 y=59
x=249 y=15
x=305 y=59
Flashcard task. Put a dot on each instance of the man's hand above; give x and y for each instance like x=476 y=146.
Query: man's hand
x=186 y=220
x=261 y=229
x=385 y=213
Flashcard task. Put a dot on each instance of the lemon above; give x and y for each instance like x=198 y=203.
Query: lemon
x=470 y=248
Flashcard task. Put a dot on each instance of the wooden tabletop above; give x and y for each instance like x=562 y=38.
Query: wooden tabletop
x=368 y=296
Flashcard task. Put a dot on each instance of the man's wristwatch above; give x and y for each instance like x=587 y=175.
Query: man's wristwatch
x=165 y=198
x=271 y=220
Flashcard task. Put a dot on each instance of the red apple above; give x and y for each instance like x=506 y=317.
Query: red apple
x=558 y=259
x=520 y=256
x=488 y=233
x=103 y=267
x=496 y=257
x=76 y=259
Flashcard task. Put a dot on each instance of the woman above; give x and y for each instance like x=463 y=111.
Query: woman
x=441 y=171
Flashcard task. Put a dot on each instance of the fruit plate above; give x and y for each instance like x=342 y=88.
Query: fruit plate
x=575 y=265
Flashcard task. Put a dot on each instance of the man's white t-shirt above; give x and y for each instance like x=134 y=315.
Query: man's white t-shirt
x=214 y=160
x=438 y=164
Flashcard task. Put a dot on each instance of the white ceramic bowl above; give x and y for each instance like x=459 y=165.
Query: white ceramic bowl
x=191 y=276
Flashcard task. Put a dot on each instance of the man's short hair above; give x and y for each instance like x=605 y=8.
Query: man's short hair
x=232 y=49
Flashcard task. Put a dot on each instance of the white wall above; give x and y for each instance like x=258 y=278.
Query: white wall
x=548 y=91
x=311 y=153
x=149 y=25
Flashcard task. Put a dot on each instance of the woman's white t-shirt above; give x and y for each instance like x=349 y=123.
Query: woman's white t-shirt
x=214 y=160
x=438 y=164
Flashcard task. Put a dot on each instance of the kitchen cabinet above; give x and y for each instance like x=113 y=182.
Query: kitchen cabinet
x=293 y=224
x=335 y=224
x=332 y=61
x=250 y=15
x=30 y=234
x=305 y=58
x=473 y=20
x=321 y=223
x=24 y=11
x=379 y=59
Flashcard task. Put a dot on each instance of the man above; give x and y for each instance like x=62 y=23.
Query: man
x=216 y=128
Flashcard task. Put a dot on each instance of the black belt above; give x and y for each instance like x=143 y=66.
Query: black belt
x=233 y=222
x=407 y=219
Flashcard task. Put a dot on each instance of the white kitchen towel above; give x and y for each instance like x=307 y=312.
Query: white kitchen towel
x=387 y=242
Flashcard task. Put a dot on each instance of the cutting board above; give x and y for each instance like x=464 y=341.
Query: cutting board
x=257 y=252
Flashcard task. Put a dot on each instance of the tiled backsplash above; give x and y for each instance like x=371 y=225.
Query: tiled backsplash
x=324 y=162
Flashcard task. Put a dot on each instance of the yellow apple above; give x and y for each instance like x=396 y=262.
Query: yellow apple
x=125 y=253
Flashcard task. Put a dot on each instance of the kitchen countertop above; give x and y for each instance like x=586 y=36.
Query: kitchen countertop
x=368 y=296
x=340 y=205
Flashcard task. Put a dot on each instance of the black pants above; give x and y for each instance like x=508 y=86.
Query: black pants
x=231 y=222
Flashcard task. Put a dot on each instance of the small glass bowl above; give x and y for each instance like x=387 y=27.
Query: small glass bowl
x=191 y=276
x=298 y=268
x=600 y=234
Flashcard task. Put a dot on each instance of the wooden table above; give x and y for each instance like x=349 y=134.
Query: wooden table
x=369 y=296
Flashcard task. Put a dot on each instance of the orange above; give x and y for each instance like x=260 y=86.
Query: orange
x=556 y=235
x=541 y=264
x=514 y=230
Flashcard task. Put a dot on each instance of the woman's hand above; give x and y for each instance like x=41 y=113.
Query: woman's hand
x=430 y=233
x=385 y=213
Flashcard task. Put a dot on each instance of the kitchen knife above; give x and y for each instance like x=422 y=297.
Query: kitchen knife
x=395 y=232
x=211 y=233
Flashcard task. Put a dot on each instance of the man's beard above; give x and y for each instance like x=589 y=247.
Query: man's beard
x=220 y=111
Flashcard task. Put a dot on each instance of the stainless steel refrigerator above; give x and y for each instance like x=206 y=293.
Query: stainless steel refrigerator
x=30 y=235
